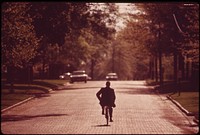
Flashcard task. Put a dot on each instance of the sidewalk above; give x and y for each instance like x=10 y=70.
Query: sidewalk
x=76 y=111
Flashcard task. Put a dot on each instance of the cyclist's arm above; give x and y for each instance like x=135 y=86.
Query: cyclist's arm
x=98 y=94
x=114 y=97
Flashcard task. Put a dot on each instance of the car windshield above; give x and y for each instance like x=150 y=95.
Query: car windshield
x=112 y=74
x=78 y=73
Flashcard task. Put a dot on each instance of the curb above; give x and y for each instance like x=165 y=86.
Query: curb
x=21 y=102
x=180 y=107
x=196 y=121
x=17 y=104
x=183 y=109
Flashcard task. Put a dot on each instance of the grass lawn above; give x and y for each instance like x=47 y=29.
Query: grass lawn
x=24 y=91
x=55 y=82
x=189 y=100
x=11 y=99
x=189 y=95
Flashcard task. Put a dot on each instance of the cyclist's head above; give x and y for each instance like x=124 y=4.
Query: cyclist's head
x=107 y=84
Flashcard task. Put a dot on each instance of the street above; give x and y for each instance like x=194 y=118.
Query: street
x=76 y=110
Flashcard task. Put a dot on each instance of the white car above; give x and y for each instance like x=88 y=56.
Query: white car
x=79 y=75
x=112 y=76
x=65 y=75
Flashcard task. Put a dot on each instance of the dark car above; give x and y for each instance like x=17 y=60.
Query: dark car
x=112 y=76
x=77 y=76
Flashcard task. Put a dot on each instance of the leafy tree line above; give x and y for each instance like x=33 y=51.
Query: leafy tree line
x=176 y=28
x=19 y=42
x=162 y=30
x=56 y=36
x=50 y=33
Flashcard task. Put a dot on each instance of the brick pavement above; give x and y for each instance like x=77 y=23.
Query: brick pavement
x=76 y=111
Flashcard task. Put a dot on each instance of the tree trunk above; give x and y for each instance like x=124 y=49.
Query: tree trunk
x=113 y=60
x=187 y=70
x=181 y=66
x=156 y=68
x=160 y=57
x=43 y=68
x=175 y=67
x=92 y=68
x=10 y=78
x=151 y=68
x=160 y=67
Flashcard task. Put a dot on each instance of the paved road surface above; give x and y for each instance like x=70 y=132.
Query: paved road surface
x=75 y=110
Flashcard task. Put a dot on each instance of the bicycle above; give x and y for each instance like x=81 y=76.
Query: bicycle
x=107 y=115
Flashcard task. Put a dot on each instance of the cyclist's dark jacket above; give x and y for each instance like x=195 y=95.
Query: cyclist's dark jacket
x=106 y=96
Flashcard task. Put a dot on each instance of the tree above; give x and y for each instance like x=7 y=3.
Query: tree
x=73 y=26
x=102 y=20
x=94 y=37
x=177 y=29
x=131 y=50
x=50 y=20
x=19 y=42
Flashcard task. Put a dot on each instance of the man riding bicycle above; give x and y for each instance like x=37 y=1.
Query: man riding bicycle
x=107 y=97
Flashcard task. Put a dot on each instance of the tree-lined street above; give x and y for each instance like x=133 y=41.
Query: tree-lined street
x=43 y=43
x=75 y=110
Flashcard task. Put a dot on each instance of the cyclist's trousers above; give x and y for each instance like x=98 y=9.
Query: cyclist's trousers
x=110 y=111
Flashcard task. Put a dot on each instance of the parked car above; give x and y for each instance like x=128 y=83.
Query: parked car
x=112 y=76
x=79 y=75
x=65 y=75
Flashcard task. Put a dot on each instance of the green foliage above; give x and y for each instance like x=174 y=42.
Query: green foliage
x=103 y=18
x=82 y=33
x=131 y=50
x=154 y=29
x=178 y=24
x=189 y=22
x=19 y=42
x=189 y=100
x=51 y=20
x=58 y=24
x=79 y=29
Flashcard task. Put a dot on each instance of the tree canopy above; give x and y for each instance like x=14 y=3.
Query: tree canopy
x=178 y=24
x=55 y=32
x=80 y=33
x=19 y=42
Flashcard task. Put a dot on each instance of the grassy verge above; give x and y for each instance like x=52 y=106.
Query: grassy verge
x=23 y=91
x=189 y=95
x=189 y=100
x=11 y=99
x=54 y=82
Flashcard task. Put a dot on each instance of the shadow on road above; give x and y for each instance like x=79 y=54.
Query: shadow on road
x=144 y=91
x=6 y=118
x=38 y=95
x=105 y=125
x=75 y=88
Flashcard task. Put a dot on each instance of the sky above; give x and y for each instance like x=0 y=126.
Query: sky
x=124 y=9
